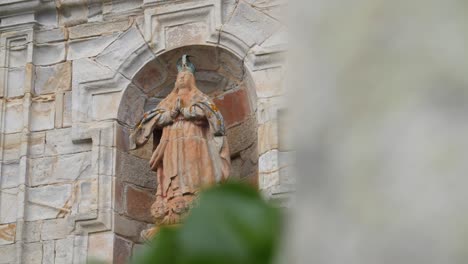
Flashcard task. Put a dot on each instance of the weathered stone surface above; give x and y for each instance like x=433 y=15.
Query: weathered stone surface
x=269 y=161
x=32 y=253
x=132 y=102
x=42 y=114
x=88 y=196
x=137 y=203
x=15 y=83
x=94 y=11
x=8 y=205
x=51 y=35
x=287 y=163
x=86 y=69
x=119 y=51
x=186 y=34
x=150 y=76
x=268 y=169
x=11 y=146
x=64 y=168
x=48 y=255
x=58 y=142
x=151 y=103
x=7 y=234
x=32 y=231
x=267 y=136
x=269 y=82
x=64 y=250
x=134 y=170
x=100 y=245
x=106 y=161
x=122 y=250
x=72 y=13
x=48 y=54
x=228 y=7
x=46 y=202
x=106 y=105
x=36 y=144
x=98 y=28
x=267 y=109
x=129 y=228
x=14 y=116
x=119 y=195
x=242 y=136
x=17 y=56
x=56 y=228
x=50 y=79
x=47 y=17
x=125 y=7
x=67 y=109
x=10 y=172
x=260 y=26
x=234 y=107
x=60 y=172
x=90 y=47
x=8 y=254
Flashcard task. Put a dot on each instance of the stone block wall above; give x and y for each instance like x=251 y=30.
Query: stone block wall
x=74 y=77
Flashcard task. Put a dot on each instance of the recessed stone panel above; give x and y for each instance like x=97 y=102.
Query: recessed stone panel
x=17 y=56
x=14 y=116
x=15 y=82
x=187 y=34
x=88 y=196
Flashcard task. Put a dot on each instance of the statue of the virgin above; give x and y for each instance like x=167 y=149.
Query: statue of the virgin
x=190 y=149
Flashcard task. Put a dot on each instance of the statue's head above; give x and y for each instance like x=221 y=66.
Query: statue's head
x=186 y=71
x=185 y=79
x=158 y=209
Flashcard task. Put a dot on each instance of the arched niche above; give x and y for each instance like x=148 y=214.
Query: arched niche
x=221 y=75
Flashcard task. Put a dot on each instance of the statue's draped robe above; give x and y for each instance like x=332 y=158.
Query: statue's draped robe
x=192 y=151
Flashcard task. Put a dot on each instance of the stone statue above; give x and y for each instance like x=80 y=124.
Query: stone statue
x=190 y=149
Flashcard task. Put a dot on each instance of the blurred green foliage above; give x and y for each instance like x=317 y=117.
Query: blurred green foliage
x=231 y=224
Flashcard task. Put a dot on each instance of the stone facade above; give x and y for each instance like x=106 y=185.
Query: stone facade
x=76 y=75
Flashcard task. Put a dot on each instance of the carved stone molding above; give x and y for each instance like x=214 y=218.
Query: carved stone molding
x=182 y=23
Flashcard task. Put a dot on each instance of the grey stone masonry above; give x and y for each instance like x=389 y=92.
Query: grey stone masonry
x=76 y=75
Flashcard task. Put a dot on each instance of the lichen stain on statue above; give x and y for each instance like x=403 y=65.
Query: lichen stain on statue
x=190 y=149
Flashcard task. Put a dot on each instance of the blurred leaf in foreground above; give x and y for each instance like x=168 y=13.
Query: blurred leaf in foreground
x=231 y=224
